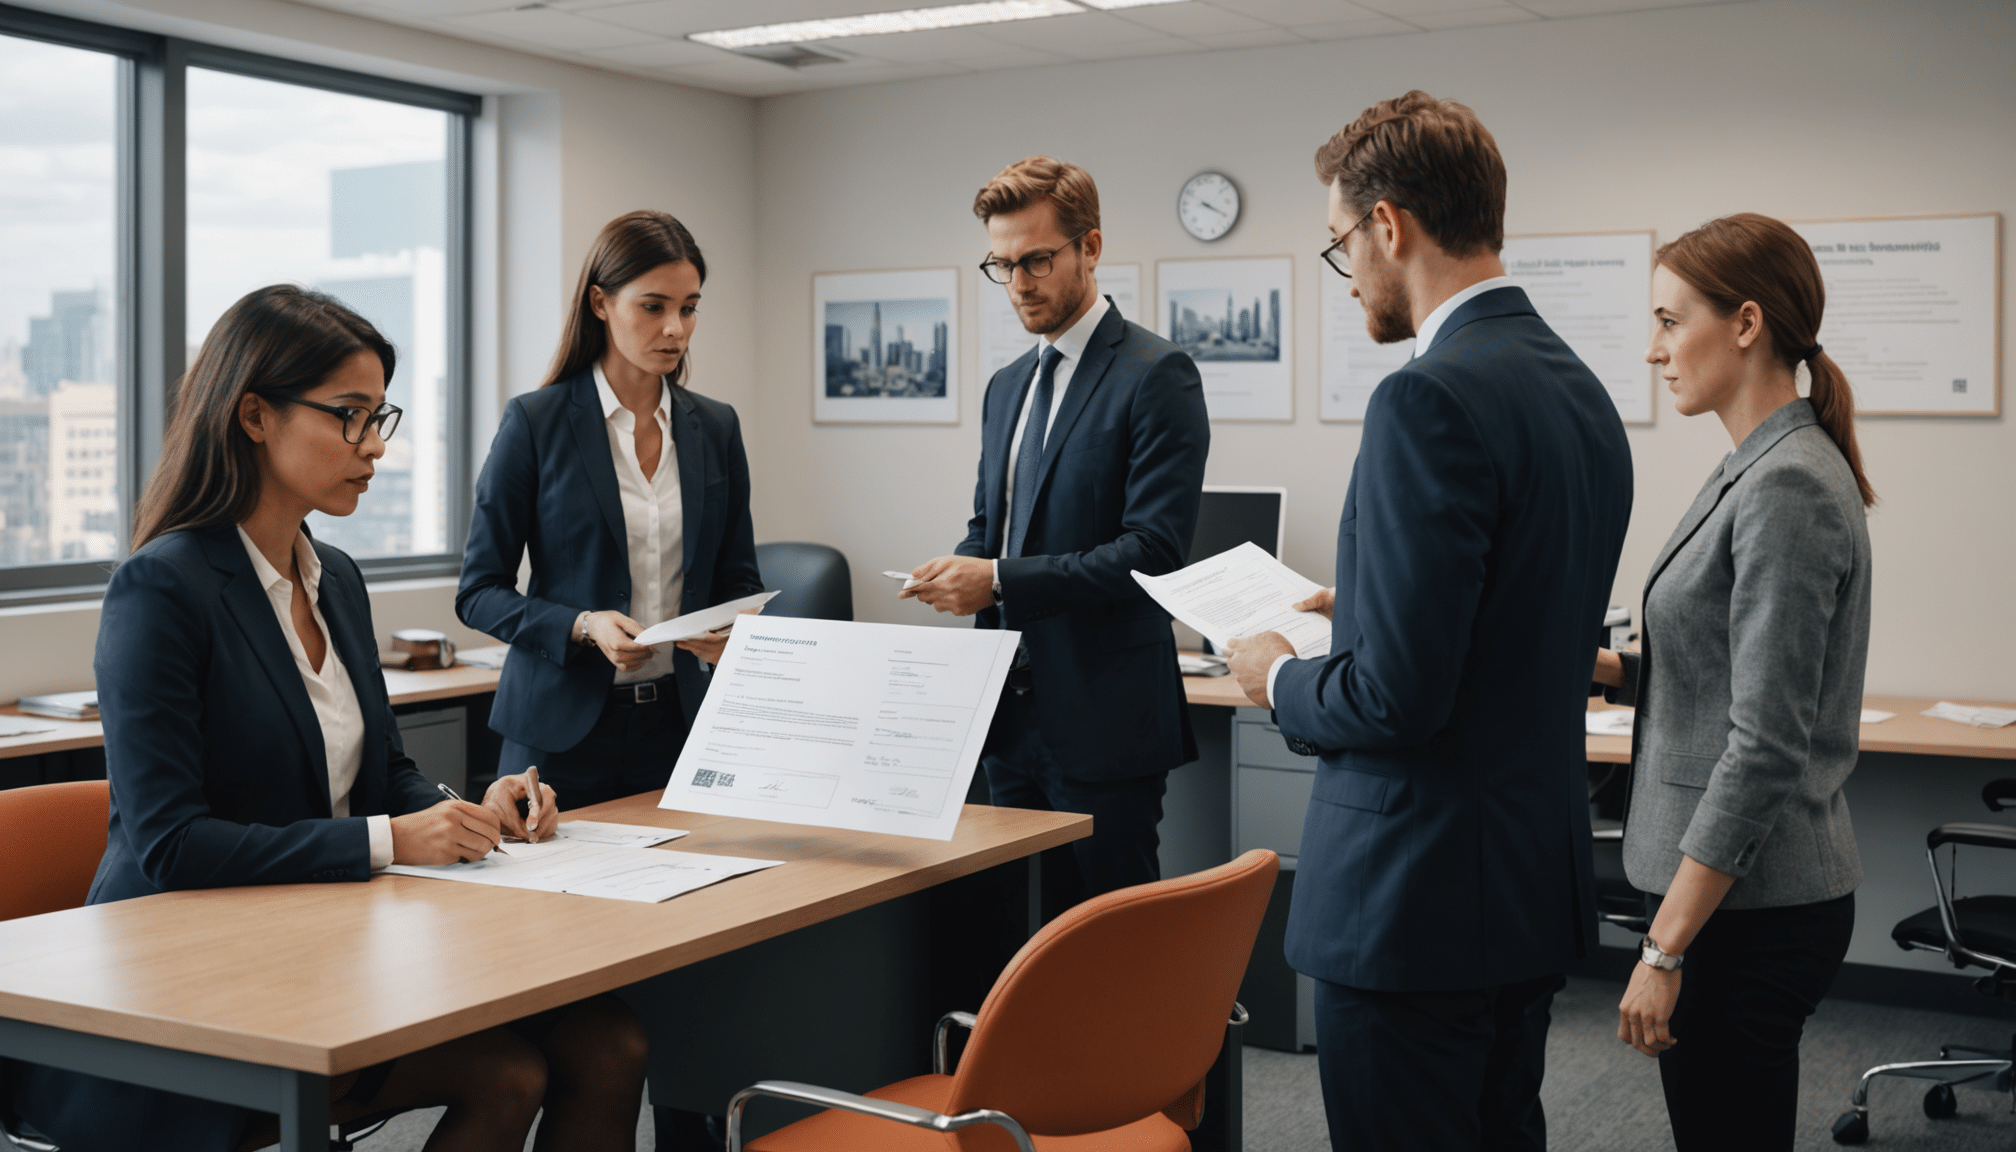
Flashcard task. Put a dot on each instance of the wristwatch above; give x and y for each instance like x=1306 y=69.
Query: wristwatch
x=1650 y=953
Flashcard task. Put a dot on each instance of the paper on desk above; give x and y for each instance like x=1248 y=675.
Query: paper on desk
x=873 y=727
x=697 y=623
x=581 y=868
x=27 y=725
x=616 y=835
x=1977 y=715
x=1240 y=593
x=1611 y=722
x=1875 y=716
x=491 y=656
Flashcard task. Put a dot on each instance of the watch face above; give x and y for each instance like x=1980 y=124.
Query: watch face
x=1208 y=206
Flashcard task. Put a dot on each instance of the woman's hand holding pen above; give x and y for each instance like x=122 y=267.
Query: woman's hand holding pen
x=448 y=833
x=541 y=816
x=614 y=633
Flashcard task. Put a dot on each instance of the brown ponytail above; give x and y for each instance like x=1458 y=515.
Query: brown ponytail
x=1752 y=258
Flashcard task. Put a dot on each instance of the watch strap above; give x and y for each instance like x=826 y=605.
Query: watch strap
x=1651 y=954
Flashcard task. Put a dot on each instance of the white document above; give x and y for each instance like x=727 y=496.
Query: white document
x=1977 y=715
x=26 y=725
x=873 y=727
x=490 y=657
x=1002 y=336
x=1875 y=716
x=1612 y=722
x=909 y=581
x=1595 y=291
x=582 y=868
x=702 y=622
x=1352 y=364
x=616 y=835
x=1239 y=593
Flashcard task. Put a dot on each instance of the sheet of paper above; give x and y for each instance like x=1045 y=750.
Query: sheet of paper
x=908 y=581
x=873 y=727
x=1875 y=716
x=490 y=657
x=1243 y=592
x=581 y=868
x=1613 y=722
x=1352 y=364
x=616 y=835
x=1977 y=715
x=27 y=725
x=1594 y=290
x=696 y=623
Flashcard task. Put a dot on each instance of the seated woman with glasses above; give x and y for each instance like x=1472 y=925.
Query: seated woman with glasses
x=249 y=739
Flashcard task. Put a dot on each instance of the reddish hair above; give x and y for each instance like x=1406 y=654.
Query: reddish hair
x=1034 y=178
x=1432 y=157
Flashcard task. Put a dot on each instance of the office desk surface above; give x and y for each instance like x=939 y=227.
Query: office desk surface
x=329 y=978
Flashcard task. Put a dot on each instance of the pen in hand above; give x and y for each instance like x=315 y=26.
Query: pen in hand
x=450 y=794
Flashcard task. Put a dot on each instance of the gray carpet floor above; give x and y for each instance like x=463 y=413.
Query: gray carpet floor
x=1603 y=1097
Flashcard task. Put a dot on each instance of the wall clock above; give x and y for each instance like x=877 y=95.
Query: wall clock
x=1208 y=205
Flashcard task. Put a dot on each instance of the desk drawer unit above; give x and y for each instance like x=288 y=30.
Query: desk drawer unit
x=1270 y=797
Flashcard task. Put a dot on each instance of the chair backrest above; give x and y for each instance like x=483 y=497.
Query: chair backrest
x=1116 y=1009
x=51 y=838
x=811 y=580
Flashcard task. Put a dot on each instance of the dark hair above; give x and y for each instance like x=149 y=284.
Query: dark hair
x=1034 y=178
x=1747 y=258
x=276 y=342
x=628 y=247
x=1432 y=157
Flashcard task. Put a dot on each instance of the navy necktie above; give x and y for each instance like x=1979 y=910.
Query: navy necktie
x=1029 y=460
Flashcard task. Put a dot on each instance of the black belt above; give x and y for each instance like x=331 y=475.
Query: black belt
x=641 y=692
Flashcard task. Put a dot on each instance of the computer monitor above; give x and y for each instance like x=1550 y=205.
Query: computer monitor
x=1231 y=515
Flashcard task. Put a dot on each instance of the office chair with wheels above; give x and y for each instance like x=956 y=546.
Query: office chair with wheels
x=811 y=581
x=1973 y=932
x=1096 y=1037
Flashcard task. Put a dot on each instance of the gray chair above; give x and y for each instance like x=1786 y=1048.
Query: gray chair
x=811 y=581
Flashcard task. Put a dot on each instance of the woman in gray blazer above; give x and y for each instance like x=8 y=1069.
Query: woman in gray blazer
x=1749 y=693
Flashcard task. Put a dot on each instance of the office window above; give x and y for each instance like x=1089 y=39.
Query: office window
x=60 y=387
x=348 y=195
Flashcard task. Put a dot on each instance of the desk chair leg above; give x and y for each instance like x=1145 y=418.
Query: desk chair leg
x=304 y=1112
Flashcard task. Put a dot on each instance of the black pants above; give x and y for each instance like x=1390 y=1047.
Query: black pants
x=632 y=748
x=1021 y=773
x=1751 y=979
x=1434 y=1071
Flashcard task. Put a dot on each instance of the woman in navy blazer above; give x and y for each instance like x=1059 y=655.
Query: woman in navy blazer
x=631 y=494
x=249 y=739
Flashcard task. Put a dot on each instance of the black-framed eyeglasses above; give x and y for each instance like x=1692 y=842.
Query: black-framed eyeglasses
x=1036 y=264
x=356 y=420
x=1334 y=254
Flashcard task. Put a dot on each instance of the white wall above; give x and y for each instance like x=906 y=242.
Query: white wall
x=1661 y=120
x=561 y=150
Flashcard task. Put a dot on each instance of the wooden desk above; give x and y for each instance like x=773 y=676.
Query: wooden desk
x=255 y=996
x=405 y=688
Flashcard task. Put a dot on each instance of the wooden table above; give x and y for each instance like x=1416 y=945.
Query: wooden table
x=256 y=996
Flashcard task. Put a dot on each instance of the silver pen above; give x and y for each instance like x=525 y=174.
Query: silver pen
x=450 y=794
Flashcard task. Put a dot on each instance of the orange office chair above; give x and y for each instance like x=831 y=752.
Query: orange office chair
x=1096 y=1038
x=51 y=838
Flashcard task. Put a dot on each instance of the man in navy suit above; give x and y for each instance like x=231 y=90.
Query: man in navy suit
x=1444 y=882
x=1091 y=465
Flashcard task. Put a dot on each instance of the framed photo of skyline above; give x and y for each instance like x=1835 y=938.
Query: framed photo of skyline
x=1236 y=319
x=885 y=347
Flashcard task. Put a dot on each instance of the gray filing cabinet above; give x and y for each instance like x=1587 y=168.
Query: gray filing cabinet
x=1270 y=796
x=437 y=740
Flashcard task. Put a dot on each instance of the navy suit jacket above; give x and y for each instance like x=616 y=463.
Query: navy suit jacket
x=549 y=488
x=1117 y=489
x=1447 y=840
x=219 y=777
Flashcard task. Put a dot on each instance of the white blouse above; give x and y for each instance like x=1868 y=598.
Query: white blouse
x=337 y=711
x=653 y=520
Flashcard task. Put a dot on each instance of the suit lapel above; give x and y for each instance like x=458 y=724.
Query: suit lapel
x=1704 y=503
x=1780 y=424
x=248 y=606
x=350 y=637
x=1005 y=398
x=690 y=446
x=591 y=436
x=1084 y=381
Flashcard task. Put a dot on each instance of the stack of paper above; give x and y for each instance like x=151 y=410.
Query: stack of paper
x=590 y=858
x=1241 y=593
x=1980 y=716
x=1613 y=722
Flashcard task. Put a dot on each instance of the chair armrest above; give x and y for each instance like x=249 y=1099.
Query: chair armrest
x=1974 y=835
x=868 y=1106
x=941 y=1060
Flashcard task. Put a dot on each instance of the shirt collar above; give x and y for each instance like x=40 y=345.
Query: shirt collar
x=1071 y=342
x=611 y=405
x=1424 y=338
x=304 y=558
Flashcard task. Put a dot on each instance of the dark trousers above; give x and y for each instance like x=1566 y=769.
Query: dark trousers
x=632 y=748
x=1434 y=1071
x=1021 y=773
x=1751 y=979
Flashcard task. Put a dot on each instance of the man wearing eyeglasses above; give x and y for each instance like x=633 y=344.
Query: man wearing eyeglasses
x=1444 y=882
x=1091 y=465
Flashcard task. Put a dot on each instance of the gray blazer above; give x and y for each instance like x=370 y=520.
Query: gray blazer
x=1749 y=684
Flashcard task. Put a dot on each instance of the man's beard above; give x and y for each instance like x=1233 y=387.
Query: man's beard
x=1387 y=319
x=1066 y=307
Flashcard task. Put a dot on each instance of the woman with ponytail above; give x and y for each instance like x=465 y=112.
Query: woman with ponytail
x=1748 y=687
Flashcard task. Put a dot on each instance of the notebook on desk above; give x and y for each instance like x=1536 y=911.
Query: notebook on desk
x=62 y=705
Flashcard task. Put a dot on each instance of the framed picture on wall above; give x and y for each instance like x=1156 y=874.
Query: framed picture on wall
x=1236 y=319
x=885 y=347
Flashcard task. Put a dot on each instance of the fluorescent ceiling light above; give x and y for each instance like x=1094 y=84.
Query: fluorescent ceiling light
x=881 y=23
x=1110 y=4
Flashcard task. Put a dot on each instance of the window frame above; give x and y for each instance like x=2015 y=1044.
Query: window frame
x=151 y=266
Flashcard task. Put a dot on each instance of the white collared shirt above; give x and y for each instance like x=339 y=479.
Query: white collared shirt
x=654 y=522
x=1424 y=339
x=1070 y=345
x=334 y=697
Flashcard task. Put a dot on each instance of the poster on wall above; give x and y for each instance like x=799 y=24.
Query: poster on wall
x=1236 y=320
x=1595 y=290
x=1914 y=311
x=885 y=347
x=1352 y=363
x=1002 y=337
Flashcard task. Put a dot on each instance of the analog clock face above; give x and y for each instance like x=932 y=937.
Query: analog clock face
x=1208 y=206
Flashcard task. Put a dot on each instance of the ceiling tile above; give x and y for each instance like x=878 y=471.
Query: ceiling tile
x=1288 y=12
x=1073 y=35
x=1556 y=9
x=1471 y=17
x=656 y=53
x=1007 y=56
x=1353 y=29
x=1252 y=38
x=412 y=8
x=1408 y=9
x=680 y=17
x=1160 y=46
x=546 y=28
x=918 y=47
x=1190 y=19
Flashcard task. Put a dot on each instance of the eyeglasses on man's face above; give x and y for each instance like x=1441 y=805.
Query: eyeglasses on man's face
x=356 y=420
x=1334 y=254
x=1036 y=264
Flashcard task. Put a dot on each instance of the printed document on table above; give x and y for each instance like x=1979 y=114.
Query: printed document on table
x=617 y=835
x=582 y=868
x=1242 y=593
x=698 y=623
x=873 y=727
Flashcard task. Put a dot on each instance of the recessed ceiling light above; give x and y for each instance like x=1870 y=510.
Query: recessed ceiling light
x=882 y=23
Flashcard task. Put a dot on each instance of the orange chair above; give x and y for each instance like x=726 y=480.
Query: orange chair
x=1096 y=1038
x=51 y=838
